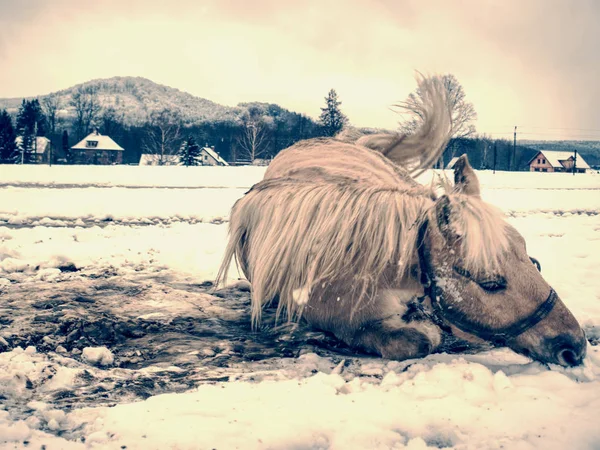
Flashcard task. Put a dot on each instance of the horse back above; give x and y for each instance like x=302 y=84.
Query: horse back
x=325 y=160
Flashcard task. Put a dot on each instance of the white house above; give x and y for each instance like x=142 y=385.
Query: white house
x=557 y=161
x=151 y=159
x=96 y=148
x=42 y=148
x=450 y=165
x=209 y=157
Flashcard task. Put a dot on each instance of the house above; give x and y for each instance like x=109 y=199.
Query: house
x=97 y=149
x=261 y=162
x=450 y=165
x=41 y=149
x=557 y=161
x=152 y=159
x=208 y=157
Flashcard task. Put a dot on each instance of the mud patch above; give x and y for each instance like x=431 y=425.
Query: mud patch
x=164 y=335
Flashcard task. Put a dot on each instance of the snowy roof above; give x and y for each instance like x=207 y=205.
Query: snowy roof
x=41 y=143
x=554 y=158
x=150 y=159
x=450 y=165
x=103 y=143
x=215 y=155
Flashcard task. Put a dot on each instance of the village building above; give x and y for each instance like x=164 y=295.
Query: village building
x=41 y=149
x=557 y=161
x=209 y=157
x=452 y=162
x=97 y=149
x=153 y=159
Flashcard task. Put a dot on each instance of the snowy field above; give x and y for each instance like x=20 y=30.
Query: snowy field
x=111 y=337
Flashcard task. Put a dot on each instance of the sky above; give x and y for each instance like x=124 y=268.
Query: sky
x=530 y=63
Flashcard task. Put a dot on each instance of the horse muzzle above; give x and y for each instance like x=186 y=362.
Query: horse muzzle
x=566 y=348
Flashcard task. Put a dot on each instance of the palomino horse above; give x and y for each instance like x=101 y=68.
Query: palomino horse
x=346 y=239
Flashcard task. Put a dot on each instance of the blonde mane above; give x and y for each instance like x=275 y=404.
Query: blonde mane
x=483 y=232
x=302 y=234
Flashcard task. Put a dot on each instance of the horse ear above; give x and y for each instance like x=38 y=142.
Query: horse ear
x=465 y=180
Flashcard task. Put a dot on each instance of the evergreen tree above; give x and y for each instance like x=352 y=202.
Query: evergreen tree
x=189 y=153
x=8 y=146
x=31 y=119
x=332 y=119
x=30 y=124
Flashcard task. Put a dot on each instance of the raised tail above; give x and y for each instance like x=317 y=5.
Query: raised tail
x=418 y=151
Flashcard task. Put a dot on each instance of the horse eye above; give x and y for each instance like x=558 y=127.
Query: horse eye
x=495 y=285
x=536 y=263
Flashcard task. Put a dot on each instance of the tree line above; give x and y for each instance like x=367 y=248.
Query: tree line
x=260 y=132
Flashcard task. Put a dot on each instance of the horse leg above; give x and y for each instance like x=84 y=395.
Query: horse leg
x=404 y=331
x=400 y=344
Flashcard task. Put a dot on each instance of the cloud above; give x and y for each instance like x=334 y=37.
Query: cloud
x=526 y=63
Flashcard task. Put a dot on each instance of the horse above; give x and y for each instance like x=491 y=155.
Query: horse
x=343 y=237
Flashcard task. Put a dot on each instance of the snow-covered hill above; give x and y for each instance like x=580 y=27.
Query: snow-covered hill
x=135 y=97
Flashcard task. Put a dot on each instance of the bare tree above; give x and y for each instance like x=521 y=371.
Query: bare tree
x=255 y=133
x=78 y=101
x=51 y=105
x=87 y=107
x=462 y=112
x=93 y=108
x=163 y=135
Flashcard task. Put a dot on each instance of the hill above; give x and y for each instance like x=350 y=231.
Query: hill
x=134 y=98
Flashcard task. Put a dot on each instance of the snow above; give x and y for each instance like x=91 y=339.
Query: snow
x=130 y=176
x=100 y=356
x=135 y=244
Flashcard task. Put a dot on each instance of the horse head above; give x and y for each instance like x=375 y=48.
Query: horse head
x=482 y=282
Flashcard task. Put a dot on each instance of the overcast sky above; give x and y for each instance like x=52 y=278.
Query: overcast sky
x=531 y=63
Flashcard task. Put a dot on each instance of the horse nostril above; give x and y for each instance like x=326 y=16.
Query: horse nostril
x=568 y=351
x=567 y=357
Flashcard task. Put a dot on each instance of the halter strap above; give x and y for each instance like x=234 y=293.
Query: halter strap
x=441 y=309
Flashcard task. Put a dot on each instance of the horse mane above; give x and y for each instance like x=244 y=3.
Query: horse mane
x=483 y=231
x=304 y=233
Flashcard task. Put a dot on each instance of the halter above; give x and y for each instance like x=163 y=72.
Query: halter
x=442 y=310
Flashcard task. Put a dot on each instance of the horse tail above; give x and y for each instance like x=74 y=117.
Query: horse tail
x=418 y=151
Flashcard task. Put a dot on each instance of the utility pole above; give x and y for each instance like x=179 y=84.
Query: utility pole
x=34 y=142
x=575 y=162
x=495 y=154
x=514 y=152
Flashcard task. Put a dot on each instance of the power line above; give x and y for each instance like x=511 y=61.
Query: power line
x=561 y=128
x=542 y=134
x=551 y=128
